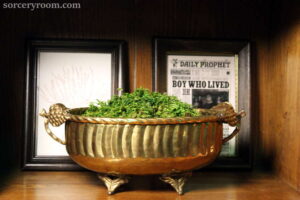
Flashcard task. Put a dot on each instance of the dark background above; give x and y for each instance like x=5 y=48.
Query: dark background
x=271 y=26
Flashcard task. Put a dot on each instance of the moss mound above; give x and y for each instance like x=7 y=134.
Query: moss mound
x=141 y=104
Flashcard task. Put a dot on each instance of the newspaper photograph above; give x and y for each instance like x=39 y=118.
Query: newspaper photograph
x=205 y=81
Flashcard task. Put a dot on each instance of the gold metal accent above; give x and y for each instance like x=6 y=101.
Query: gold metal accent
x=227 y=114
x=139 y=138
x=236 y=131
x=143 y=146
x=177 y=181
x=57 y=116
x=113 y=184
x=138 y=141
x=209 y=115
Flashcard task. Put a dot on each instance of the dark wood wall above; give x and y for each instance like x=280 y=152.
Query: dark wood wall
x=279 y=94
x=137 y=22
x=109 y=19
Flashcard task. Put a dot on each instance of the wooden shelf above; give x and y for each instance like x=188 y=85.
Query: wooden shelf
x=202 y=185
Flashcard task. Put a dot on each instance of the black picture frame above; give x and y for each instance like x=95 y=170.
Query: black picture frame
x=162 y=47
x=117 y=49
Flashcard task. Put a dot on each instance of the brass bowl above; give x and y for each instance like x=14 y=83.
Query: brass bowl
x=168 y=146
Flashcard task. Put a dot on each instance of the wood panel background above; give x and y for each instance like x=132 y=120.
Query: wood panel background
x=275 y=59
x=279 y=94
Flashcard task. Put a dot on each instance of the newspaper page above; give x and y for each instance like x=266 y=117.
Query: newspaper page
x=205 y=81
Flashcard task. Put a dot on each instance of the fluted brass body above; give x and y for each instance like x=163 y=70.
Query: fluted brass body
x=107 y=145
x=118 y=146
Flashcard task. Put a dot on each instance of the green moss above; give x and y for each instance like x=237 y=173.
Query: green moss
x=141 y=104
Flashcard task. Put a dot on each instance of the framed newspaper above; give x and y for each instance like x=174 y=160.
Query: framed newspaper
x=204 y=73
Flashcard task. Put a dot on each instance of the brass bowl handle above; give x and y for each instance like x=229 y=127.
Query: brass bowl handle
x=234 y=133
x=226 y=114
x=57 y=116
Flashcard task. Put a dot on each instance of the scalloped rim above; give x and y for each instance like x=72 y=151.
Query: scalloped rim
x=142 y=121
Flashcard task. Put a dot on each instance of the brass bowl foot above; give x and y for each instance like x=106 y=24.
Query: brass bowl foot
x=177 y=181
x=112 y=182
